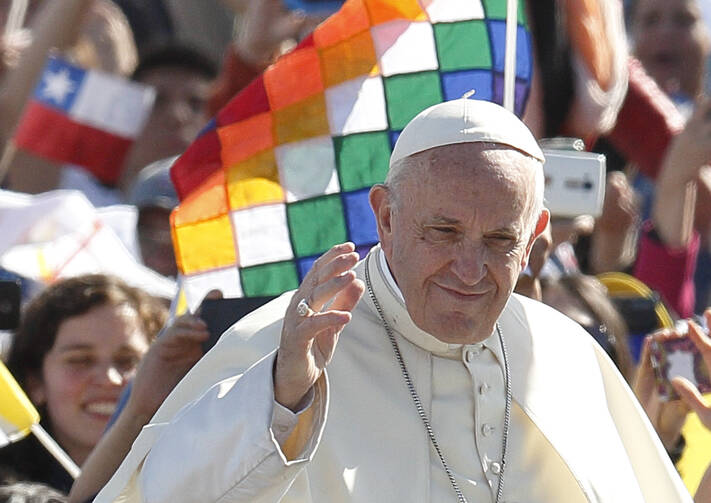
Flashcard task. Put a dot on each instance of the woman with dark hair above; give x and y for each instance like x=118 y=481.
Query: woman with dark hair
x=79 y=342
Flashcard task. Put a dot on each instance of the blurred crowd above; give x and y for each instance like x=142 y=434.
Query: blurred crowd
x=635 y=276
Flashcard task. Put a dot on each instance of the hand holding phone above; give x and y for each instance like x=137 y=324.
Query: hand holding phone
x=680 y=355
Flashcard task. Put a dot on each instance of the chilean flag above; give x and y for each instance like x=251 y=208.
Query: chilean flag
x=84 y=117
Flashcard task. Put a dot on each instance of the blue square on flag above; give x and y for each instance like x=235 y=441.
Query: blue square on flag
x=455 y=84
x=304 y=265
x=359 y=217
x=498 y=48
x=59 y=84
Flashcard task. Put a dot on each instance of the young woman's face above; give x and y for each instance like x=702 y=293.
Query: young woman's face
x=84 y=372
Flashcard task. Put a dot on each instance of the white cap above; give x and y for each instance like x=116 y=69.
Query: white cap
x=464 y=121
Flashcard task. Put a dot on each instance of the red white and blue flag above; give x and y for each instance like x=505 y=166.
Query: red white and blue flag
x=84 y=117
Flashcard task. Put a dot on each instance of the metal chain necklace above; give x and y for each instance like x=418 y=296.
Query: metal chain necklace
x=418 y=404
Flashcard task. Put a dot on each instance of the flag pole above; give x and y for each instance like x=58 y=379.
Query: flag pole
x=16 y=17
x=510 y=57
x=6 y=158
x=56 y=451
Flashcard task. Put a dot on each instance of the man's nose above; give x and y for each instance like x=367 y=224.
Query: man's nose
x=469 y=264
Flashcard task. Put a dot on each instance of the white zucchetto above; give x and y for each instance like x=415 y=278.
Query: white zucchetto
x=464 y=121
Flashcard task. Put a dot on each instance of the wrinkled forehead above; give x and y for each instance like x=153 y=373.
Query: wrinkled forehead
x=472 y=160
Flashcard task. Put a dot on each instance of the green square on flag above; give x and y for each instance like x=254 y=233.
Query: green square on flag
x=410 y=93
x=463 y=46
x=496 y=9
x=316 y=224
x=362 y=159
x=269 y=279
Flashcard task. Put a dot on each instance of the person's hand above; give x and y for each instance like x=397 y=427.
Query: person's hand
x=667 y=417
x=170 y=357
x=263 y=26
x=308 y=342
x=570 y=229
x=689 y=393
x=690 y=149
x=620 y=208
x=613 y=243
x=528 y=283
x=674 y=205
x=693 y=399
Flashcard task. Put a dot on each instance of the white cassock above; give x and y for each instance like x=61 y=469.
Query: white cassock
x=577 y=434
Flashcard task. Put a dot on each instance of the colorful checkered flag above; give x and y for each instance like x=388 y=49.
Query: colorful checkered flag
x=282 y=173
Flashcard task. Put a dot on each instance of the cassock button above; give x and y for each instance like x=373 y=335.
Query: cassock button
x=487 y=429
x=495 y=468
x=484 y=388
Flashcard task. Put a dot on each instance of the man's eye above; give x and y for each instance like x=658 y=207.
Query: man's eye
x=501 y=240
x=440 y=233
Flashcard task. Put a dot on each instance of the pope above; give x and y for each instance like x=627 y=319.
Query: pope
x=415 y=374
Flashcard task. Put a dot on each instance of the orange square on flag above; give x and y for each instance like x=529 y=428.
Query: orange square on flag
x=382 y=11
x=302 y=120
x=351 y=19
x=349 y=59
x=205 y=202
x=293 y=77
x=243 y=139
x=254 y=181
x=204 y=245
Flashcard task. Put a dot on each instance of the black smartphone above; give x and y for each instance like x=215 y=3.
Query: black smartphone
x=10 y=299
x=221 y=314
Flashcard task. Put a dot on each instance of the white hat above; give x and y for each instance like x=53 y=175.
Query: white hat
x=464 y=121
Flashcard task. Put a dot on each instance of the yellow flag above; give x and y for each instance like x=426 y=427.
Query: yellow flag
x=17 y=414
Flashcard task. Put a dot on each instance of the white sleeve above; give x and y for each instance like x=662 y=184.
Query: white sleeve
x=222 y=447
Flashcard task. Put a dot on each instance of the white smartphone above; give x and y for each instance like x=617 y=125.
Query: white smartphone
x=575 y=182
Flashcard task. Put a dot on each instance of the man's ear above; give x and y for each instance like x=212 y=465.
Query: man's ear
x=381 y=203
x=541 y=224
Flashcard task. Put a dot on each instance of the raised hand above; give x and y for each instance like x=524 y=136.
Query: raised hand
x=263 y=26
x=308 y=341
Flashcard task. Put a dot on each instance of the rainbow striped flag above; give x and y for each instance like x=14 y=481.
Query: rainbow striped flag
x=283 y=171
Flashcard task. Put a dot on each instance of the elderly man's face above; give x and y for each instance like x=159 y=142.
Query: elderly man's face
x=456 y=236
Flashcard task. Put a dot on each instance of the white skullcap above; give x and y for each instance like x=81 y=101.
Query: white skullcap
x=464 y=121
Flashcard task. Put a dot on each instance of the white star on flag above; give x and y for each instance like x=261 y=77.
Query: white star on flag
x=57 y=86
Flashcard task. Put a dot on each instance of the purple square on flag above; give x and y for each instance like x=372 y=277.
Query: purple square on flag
x=304 y=265
x=497 y=29
x=359 y=217
x=59 y=84
x=455 y=84
x=520 y=93
x=363 y=250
